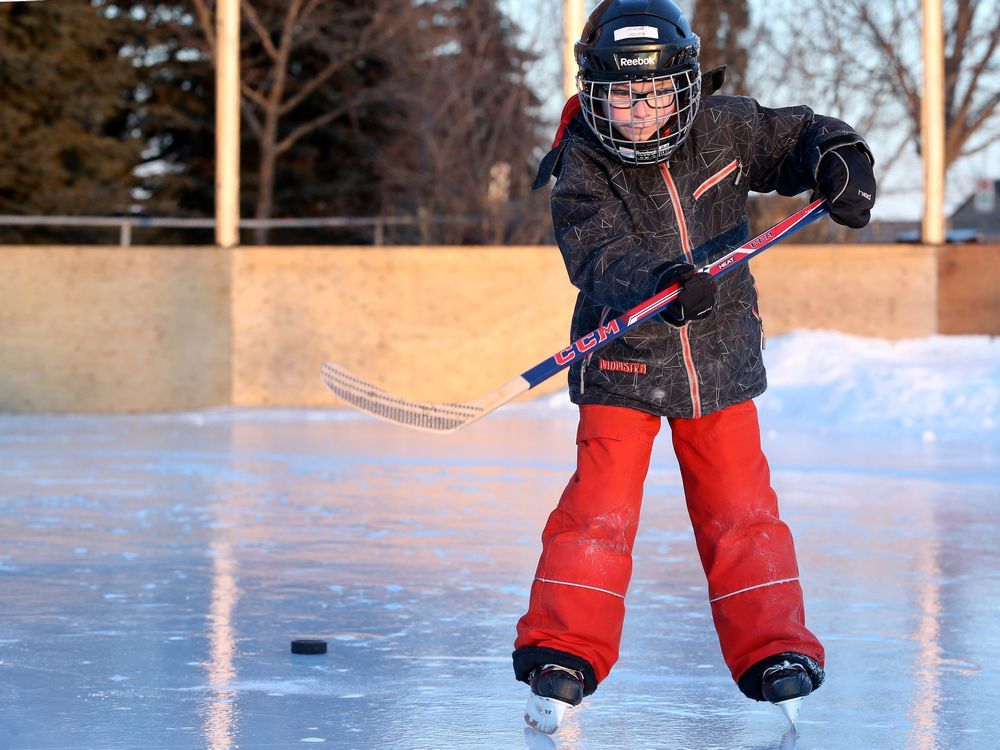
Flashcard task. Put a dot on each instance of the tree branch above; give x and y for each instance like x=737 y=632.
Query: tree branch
x=980 y=67
x=253 y=95
x=250 y=13
x=985 y=113
x=317 y=122
x=885 y=46
x=366 y=40
x=288 y=141
x=251 y=118
x=204 y=16
x=979 y=148
x=318 y=80
x=964 y=122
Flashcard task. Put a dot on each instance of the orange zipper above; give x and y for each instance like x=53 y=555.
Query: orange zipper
x=716 y=178
x=692 y=372
x=675 y=199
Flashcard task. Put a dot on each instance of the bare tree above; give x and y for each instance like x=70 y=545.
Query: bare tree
x=291 y=53
x=468 y=132
x=862 y=61
x=972 y=62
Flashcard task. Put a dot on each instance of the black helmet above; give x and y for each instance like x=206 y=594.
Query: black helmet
x=632 y=51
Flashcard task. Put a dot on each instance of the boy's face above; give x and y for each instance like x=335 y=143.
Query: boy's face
x=639 y=109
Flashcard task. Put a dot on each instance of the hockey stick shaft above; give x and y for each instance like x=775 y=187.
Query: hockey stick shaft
x=601 y=337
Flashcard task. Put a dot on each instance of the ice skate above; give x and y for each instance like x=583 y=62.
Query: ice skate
x=554 y=690
x=786 y=685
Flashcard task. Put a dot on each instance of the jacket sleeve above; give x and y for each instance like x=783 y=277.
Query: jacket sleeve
x=781 y=148
x=604 y=256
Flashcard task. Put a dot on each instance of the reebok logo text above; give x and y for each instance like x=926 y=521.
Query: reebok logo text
x=626 y=62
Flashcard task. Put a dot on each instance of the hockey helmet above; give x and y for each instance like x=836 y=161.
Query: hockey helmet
x=635 y=51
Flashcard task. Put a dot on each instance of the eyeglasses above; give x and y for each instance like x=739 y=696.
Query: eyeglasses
x=623 y=98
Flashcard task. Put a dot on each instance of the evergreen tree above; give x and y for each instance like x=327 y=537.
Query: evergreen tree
x=65 y=141
x=173 y=108
x=172 y=112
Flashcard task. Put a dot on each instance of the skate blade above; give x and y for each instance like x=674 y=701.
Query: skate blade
x=544 y=714
x=535 y=740
x=791 y=708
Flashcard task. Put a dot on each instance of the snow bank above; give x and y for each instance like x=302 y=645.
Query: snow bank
x=941 y=386
x=937 y=387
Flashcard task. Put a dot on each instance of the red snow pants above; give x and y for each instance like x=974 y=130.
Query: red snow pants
x=577 y=601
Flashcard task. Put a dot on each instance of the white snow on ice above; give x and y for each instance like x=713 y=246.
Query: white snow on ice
x=948 y=385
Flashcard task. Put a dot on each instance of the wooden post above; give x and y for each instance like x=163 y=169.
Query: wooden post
x=572 y=26
x=932 y=124
x=227 y=123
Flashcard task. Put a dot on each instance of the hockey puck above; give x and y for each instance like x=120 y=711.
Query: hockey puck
x=308 y=646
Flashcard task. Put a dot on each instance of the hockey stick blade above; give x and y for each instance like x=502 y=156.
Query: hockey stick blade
x=442 y=418
x=421 y=416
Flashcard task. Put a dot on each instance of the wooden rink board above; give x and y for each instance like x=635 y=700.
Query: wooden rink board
x=109 y=329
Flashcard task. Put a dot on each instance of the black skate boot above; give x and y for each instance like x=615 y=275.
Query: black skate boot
x=785 y=684
x=554 y=689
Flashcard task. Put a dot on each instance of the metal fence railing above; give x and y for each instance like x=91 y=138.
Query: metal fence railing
x=126 y=224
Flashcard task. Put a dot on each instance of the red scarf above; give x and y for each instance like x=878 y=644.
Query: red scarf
x=571 y=110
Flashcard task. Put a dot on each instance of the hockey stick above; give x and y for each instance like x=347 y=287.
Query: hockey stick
x=450 y=417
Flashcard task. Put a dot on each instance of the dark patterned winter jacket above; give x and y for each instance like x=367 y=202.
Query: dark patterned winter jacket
x=618 y=227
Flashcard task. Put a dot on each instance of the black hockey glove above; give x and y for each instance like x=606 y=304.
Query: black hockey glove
x=846 y=179
x=697 y=298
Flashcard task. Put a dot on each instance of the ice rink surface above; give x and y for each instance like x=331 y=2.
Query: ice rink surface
x=153 y=570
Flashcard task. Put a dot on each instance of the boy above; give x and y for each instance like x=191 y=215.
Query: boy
x=653 y=173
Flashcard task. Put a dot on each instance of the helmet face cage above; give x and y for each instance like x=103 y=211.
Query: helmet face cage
x=610 y=108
